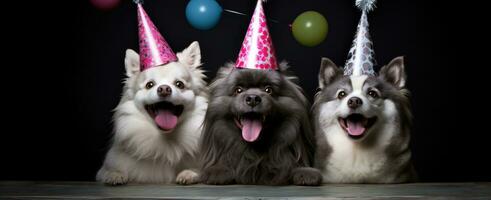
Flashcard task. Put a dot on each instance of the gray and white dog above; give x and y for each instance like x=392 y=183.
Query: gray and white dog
x=362 y=126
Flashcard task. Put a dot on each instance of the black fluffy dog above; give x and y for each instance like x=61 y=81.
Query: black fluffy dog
x=257 y=130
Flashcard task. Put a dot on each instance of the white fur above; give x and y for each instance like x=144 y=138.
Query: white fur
x=369 y=110
x=353 y=161
x=357 y=82
x=143 y=153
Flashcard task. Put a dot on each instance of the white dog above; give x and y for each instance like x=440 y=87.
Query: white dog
x=158 y=122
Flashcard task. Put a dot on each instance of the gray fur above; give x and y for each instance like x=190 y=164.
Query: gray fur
x=397 y=166
x=284 y=151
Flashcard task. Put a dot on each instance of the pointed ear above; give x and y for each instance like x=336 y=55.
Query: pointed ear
x=394 y=73
x=191 y=56
x=328 y=72
x=131 y=62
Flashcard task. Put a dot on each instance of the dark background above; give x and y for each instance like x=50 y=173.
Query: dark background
x=63 y=70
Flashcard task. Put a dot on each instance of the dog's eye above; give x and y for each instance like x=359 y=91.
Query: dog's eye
x=268 y=89
x=149 y=84
x=373 y=94
x=179 y=84
x=238 y=90
x=341 y=94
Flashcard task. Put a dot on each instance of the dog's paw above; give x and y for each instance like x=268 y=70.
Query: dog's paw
x=307 y=176
x=112 y=178
x=217 y=176
x=187 y=177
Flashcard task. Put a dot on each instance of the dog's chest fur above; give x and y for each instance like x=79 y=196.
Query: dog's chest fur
x=349 y=162
x=148 y=158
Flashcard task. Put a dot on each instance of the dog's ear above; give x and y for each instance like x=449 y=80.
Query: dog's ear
x=225 y=70
x=394 y=73
x=191 y=56
x=328 y=72
x=131 y=62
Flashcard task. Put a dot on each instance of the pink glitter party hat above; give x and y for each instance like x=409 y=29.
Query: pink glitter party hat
x=257 y=50
x=154 y=50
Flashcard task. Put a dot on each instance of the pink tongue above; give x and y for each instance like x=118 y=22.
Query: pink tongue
x=251 y=129
x=355 y=128
x=166 y=120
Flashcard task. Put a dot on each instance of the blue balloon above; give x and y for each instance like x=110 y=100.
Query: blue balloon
x=203 y=14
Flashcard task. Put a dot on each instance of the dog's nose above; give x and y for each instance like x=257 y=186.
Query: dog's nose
x=164 y=90
x=253 y=100
x=354 y=102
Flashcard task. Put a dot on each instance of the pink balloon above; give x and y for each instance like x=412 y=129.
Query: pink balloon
x=105 y=4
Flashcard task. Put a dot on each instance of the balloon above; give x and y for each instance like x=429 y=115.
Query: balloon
x=310 y=28
x=105 y=4
x=203 y=14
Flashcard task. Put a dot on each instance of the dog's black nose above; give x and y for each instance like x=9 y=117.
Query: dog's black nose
x=253 y=100
x=164 y=90
x=354 y=102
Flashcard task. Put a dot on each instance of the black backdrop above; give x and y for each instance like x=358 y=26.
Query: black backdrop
x=65 y=71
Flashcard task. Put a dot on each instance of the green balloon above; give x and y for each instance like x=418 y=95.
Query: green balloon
x=310 y=28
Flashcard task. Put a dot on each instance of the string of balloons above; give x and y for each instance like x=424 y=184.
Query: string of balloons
x=309 y=28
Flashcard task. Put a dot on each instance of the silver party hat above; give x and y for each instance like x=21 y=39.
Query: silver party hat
x=361 y=57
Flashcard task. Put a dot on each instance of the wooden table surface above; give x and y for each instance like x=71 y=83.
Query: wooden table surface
x=92 y=190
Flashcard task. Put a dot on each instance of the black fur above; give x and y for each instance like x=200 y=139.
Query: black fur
x=281 y=155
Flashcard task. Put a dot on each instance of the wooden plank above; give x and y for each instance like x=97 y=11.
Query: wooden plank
x=92 y=190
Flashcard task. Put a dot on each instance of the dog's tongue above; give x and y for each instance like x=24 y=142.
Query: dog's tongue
x=251 y=129
x=355 y=128
x=165 y=120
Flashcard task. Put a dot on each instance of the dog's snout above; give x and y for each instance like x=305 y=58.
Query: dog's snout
x=253 y=100
x=354 y=102
x=164 y=90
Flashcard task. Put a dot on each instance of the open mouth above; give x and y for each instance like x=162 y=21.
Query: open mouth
x=356 y=125
x=165 y=114
x=251 y=125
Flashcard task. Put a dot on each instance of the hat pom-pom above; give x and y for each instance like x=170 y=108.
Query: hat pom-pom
x=365 y=5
